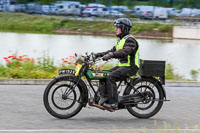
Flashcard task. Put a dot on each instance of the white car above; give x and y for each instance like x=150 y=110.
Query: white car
x=160 y=13
x=90 y=12
x=115 y=14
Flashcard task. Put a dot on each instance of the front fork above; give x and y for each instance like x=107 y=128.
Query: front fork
x=72 y=85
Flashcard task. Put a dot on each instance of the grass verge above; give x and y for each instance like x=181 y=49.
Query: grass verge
x=19 y=22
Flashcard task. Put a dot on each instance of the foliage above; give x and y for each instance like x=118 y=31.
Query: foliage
x=194 y=74
x=25 y=67
x=170 y=75
x=43 y=2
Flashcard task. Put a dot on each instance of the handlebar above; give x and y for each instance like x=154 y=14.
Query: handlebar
x=87 y=58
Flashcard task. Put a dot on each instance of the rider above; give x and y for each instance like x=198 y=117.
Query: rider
x=126 y=50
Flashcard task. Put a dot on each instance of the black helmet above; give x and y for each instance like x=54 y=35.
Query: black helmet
x=123 y=23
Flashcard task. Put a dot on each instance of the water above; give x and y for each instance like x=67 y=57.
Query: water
x=184 y=55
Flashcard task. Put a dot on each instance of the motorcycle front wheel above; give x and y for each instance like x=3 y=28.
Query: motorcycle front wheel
x=62 y=100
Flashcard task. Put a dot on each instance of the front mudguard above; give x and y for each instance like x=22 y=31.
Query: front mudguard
x=148 y=78
x=81 y=85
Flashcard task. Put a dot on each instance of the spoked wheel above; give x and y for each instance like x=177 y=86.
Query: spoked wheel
x=61 y=100
x=152 y=98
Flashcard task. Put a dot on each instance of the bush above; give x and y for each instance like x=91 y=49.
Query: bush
x=194 y=74
x=24 y=67
x=169 y=73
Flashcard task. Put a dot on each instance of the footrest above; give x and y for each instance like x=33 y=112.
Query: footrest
x=103 y=108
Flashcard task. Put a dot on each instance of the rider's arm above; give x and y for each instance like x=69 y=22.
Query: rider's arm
x=130 y=47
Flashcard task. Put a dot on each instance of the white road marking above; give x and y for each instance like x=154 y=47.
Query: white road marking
x=97 y=130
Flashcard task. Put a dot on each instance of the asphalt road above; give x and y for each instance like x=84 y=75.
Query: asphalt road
x=22 y=110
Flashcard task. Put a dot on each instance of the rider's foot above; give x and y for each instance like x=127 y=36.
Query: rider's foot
x=111 y=106
x=102 y=100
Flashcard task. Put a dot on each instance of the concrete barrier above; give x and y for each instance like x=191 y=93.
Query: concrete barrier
x=24 y=81
x=186 y=32
x=46 y=81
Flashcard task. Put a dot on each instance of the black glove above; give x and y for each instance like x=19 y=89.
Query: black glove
x=97 y=55
x=108 y=56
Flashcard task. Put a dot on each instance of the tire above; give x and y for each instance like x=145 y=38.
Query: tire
x=153 y=91
x=66 y=106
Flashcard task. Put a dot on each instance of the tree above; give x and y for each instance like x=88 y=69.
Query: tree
x=45 y=2
x=171 y=3
x=190 y=4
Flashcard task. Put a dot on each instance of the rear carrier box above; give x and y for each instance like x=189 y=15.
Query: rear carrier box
x=152 y=68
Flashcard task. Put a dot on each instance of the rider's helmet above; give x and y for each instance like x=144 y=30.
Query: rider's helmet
x=124 y=24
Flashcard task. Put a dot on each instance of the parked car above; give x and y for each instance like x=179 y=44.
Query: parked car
x=87 y=12
x=185 y=12
x=68 y=8
x=1 y=8
x=115 y=14
x=46 y=9
x=119 y=8
x=20 y=7
x=171 y=11
x=195 y=12
x=34 y=8
x=97 y=11
x=53 y=9
x=146 y=15
x=160 y=13
x=140 y=10
x=157 y=13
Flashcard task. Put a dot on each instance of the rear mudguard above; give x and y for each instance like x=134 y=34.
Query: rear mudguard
x=81 y=85
x=149 y=78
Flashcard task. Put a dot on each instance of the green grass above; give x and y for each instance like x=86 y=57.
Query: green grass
x=28 y=23
x=107 y=27
x=19 y=22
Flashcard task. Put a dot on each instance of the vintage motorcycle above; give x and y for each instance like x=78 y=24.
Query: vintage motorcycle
x=70 y=91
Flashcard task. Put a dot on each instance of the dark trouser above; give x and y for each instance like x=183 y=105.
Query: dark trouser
x=117 y=74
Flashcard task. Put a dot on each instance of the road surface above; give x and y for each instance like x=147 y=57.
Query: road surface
x=22 y=110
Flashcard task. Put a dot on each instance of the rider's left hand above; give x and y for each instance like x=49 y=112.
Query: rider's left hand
x=108 y=56
x=97 y=55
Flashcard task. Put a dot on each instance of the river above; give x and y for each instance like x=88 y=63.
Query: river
x=184 y=55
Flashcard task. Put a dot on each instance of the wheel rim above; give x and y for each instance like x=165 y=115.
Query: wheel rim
x=58 y=99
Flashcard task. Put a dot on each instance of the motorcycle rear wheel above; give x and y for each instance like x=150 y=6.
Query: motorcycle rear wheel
x=153 y=101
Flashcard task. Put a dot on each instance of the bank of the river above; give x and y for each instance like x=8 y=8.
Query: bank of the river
x=18 y=22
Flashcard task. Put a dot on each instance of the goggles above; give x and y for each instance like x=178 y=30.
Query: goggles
x=119 y=24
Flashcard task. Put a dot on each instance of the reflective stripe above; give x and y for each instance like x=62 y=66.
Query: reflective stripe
x=120 y=44
x=137 y=58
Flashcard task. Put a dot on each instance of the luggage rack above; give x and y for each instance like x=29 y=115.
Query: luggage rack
x=152 y=68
